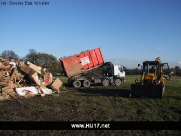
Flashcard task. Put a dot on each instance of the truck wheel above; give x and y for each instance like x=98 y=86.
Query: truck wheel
x=69 y=81
x=117 y=81
x=86 y=83
x=105 y=82
x=76 y=83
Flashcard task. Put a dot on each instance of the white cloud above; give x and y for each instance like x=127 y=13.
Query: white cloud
x=160 y=48
x=179 y=62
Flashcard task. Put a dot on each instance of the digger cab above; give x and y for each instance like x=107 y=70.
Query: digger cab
x=154 y=71
x=151 y=72
x=150 y=67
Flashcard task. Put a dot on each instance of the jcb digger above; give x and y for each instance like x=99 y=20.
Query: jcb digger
x=153 y=79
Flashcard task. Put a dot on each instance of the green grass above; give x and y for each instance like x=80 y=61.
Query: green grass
x=97 y=103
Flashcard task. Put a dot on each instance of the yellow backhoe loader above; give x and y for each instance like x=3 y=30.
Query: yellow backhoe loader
x=152 y=81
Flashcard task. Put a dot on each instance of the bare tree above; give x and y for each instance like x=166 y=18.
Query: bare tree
x=31 y=56
x=9 y=54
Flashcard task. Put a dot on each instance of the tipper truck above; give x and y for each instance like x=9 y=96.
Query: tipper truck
x=89 y=67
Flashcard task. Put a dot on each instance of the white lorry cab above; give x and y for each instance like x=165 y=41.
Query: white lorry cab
x=119 y=72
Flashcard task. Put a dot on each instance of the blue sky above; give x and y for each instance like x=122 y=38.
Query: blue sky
x=127 y=31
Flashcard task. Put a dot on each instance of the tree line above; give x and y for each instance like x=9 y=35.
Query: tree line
x=175 y=71
x=48 y=61
x=53 y=65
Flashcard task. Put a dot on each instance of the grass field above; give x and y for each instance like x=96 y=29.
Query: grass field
x=96 y=103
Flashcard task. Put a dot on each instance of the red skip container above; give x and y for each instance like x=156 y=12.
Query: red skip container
x=80 y=63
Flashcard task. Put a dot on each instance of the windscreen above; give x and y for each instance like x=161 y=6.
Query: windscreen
x=120 y=69
x=149 y=67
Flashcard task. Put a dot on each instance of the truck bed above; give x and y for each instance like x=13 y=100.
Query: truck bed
x=82 y=62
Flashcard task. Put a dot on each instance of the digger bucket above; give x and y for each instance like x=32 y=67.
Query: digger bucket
x=148 y=91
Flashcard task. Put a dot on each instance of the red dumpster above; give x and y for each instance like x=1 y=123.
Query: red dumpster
x=80 y=63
